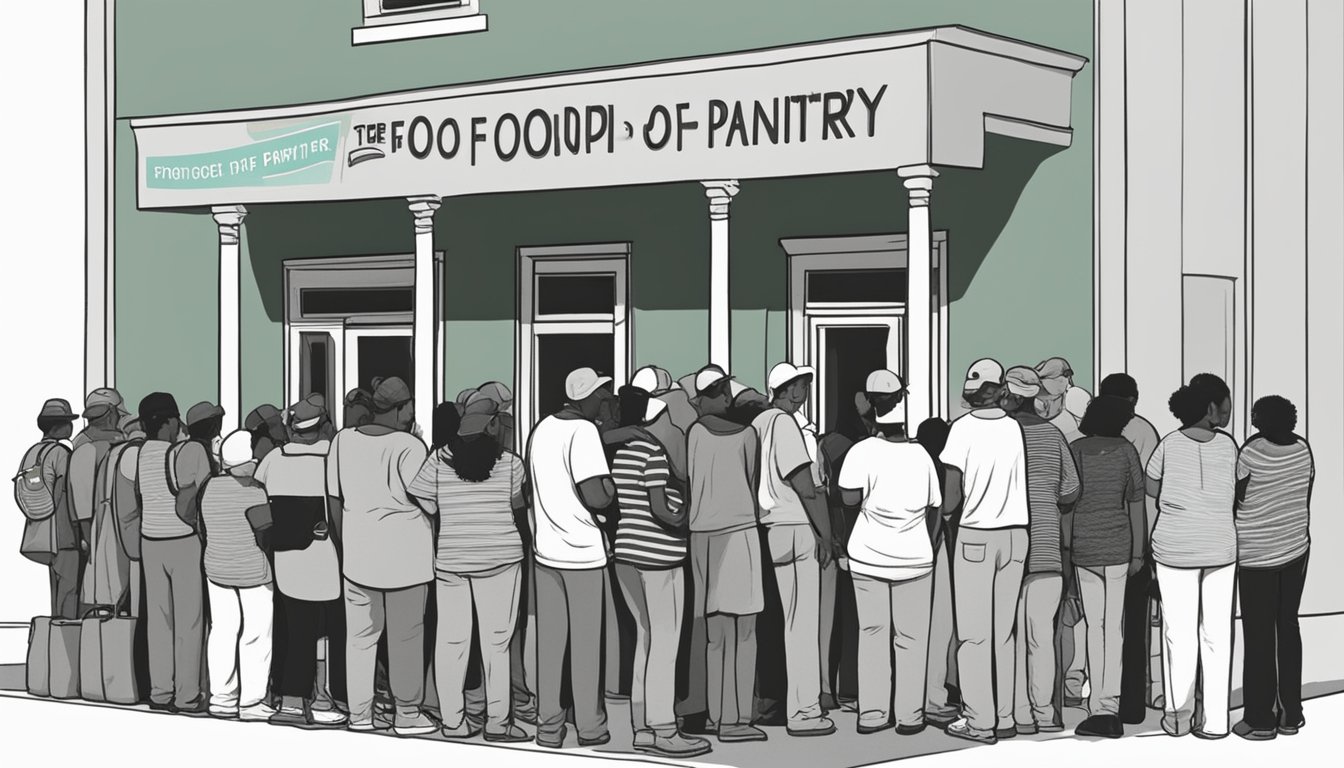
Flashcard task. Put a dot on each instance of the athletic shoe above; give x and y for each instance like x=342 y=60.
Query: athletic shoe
x=731 y=734
x=813 y=726
x=375 y=723
x=1291 y=729
x=417 y=724
x=867 y=729
x=223 y=713
x=1250 y=733
x=910 y=730
x=327 y=718
x=1005 y=733
x=510 y=735
x=962 y=729
x=257 y=713
x=677 y=745
x=597 y=742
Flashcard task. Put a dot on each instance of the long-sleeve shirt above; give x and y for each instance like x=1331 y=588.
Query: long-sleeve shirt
x=91 y=448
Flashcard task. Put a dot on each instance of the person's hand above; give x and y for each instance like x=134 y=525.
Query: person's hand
x=83 y=546
x=823 y=553
x=1136 y=566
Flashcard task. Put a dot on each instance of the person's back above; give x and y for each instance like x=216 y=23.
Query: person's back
x=783 y=453
x=387 y=539
x=1273 y=516
x=641 y=539
x=721 y=460
x=562 y=454
x=1195 y=525
x=232 y=557
x=989 y=449
x=1112 y=478
x=1052 y=476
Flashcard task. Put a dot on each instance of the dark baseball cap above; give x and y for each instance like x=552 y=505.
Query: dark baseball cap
x=158 y=405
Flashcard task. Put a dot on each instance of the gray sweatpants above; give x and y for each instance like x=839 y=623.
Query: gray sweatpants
x=401 y=614
x=569 y=615
x=989 y=567
x=1037 y=609
x=175 y=616
x=1103 y=591
x=893 y=620
x=657 y=599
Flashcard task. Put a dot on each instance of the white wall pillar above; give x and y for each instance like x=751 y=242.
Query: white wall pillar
x=720 y=194
x=919 y=374
x=229 y=218
x=425 y=330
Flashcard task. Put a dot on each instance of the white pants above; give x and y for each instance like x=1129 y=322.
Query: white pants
x=239 y=649
x=1197 y=635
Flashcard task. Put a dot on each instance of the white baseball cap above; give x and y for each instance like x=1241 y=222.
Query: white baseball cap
x=654 y=410
x=645 y=378
x=236 y=449
x=884 y=382
x=708 y=377
x=784 y=373
x=981 y=372
x=582 y=382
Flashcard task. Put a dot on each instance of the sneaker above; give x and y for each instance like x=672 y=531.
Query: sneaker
x=731 y=734
x=327 y=718
x=644 y=739
x=595 y=742
x=677 y=745
x=194 y=710
x=867 y=729
x=1005 y=733
x=368 y=725
x=1026 y=729
x=223 y=713
x=962 y=729
x=417 y=724
x=510 y=735
x=464 y=730
x=813 y=726
x=257 y=713
x=910 y=730
x=1246 y=731
x=169 y=707
x=1291 y=729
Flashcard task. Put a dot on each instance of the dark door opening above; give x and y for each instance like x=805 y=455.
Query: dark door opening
x=384 y=357
x=317 y=366
x=560 y=353
x=849 y=355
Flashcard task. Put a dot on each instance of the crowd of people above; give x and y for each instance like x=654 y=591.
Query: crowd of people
x=694 y=546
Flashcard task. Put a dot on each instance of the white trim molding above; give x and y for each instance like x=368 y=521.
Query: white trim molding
x=99 y=195
x=451 y=17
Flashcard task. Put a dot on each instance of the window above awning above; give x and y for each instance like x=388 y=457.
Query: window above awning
x=923 y=97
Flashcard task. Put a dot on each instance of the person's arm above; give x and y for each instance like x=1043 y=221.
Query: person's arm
x=81 y=473
x=413 y=459
x=1243 y=476
x=1070 y=486
x=517 y=483
x=588 y=463
x=1153 y=472
x=621 y=435
x=655 y=477
x=952 y=498
x=335 y=496
x=424 y=489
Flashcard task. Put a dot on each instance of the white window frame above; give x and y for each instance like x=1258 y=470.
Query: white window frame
x=858 y=252
x=450 y=18
x=611 y=258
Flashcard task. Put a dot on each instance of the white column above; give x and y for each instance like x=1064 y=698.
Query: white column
x=229 y=219
x=919 y=374
x=424 y=346
x=720 y=194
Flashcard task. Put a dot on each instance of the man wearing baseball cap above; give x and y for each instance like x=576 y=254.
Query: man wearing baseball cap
x=571 y=481
x=266 y=424
x=798 y=531
x=51 y=458
x=1052 y=488
x=388 y=556
x=1056 y=380
x=103 y=410
x=985 y=461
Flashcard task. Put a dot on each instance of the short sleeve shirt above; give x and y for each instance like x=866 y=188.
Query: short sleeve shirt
x=1195 y=527
x=476 y=528
x=388 y=541
x=1273 y=519
x=721 y=461
x=297 y=469
x=563 y=454
x=1051 y=476
x=641 y=540
x=783 y=453
x=989 y=449
x=890 y=539
x=1112 y=480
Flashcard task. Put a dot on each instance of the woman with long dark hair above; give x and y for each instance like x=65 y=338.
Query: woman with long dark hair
x=474 y=489
x=1192 y=474
x=1275 y=473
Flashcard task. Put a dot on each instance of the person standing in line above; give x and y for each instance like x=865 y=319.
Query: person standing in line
x=43 y=492
x=1107 y=541
x=266 y=424
x=1275 y=474
x=474 y=488
x=169 y=474
x=388 y=547
x=985 y=459
x=1052 y=488
x=1193 y=476
x=303 y=542
x=103 y=410
x=358 y=409
x=204 y=423
x=799 y=530
x=895 y=484
x=571 y=481
x=726 y=561
x=238 y=583
x=940 y=703
x=650 y=549
x=1140 y=679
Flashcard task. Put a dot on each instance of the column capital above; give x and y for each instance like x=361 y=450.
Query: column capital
x=229 y=219
x=918 y=181
x=423 y=208
x=720 y=194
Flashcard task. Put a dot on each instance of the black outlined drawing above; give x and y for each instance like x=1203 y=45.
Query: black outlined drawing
x=689 y=383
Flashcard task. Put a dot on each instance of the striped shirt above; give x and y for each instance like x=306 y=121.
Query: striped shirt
x=1051 y=476
x=1273 y=518
x=1195 y=527
x=232 y=558
x=639 y=467
x=476 y=527
x=1112 y=480
x=158 y=507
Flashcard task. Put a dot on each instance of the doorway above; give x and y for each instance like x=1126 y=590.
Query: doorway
x=849 y=351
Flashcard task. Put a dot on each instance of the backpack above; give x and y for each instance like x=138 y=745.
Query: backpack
x=31 y=492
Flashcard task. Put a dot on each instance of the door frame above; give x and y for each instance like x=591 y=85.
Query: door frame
x=883 y=251
x=534 y=261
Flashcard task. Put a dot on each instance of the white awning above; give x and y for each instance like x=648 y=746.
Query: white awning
x=924 y=97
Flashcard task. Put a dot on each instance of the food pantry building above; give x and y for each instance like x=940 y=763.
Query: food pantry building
x=517 y=229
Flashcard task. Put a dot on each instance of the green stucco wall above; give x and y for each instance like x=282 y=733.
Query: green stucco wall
x=1019 y=231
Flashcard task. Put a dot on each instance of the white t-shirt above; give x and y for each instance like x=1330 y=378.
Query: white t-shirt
x=296 y=469
x=890 y=539
x=988 y=447
x=783 y=452
x=563 y=454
